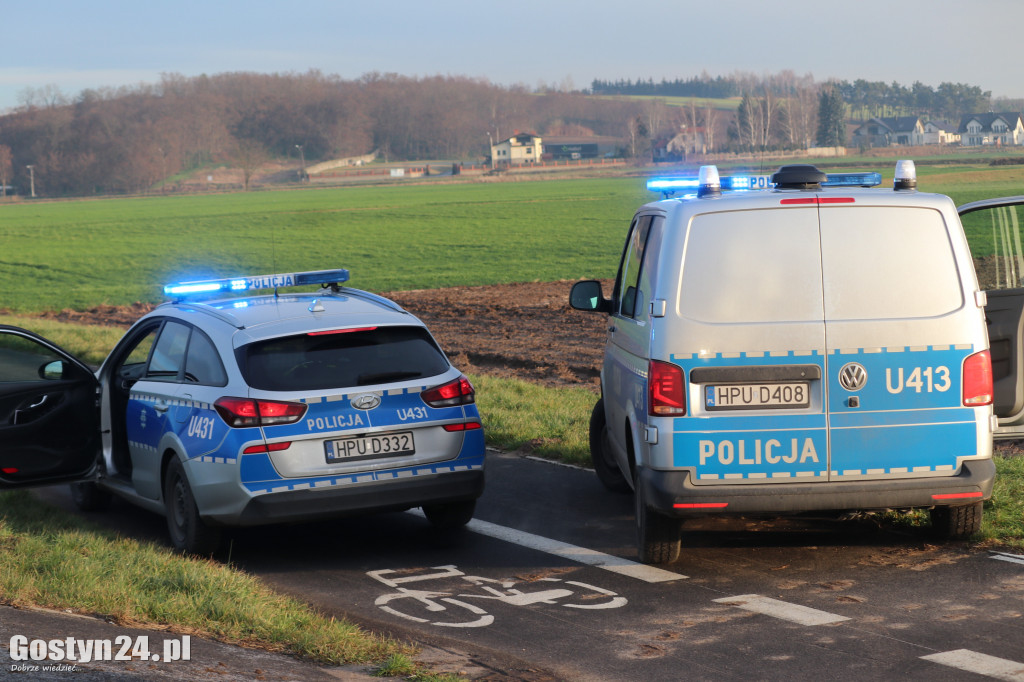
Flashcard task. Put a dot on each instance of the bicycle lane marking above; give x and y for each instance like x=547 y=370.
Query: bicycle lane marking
x=591 y=557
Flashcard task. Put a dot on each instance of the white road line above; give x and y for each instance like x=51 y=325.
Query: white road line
x=780 y=609
x=1003 y=556
x=982 y=664
x=583 y=555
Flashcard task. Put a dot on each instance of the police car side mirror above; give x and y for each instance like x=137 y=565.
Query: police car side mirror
x=52 y=371
x=587 y=296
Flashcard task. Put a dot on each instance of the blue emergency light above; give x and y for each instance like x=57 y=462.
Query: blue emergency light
x=237 y=284
x=709 y=178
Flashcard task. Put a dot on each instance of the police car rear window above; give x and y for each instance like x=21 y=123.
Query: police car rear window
x=308 y=362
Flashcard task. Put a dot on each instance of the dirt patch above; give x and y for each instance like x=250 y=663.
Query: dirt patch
x=524 y=331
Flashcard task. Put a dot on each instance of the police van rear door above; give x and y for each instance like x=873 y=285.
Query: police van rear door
x=900 y=329
x=993 y=228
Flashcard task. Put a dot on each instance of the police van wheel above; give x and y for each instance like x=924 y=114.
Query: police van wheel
x=450 y=515
x=956 y=523
x=189 y=534
x=88 y=497
x=657 y=535
x=601 y=455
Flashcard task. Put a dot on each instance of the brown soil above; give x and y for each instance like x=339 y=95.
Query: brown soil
x=525 y=330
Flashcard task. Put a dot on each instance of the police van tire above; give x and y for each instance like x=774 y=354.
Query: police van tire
x=189 y=535
x=89 y=497
x=600 y=454
x=450 y=515
x=657 y=535
x=956 y=523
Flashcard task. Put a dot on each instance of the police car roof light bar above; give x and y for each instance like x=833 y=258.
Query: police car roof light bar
x=853 y=180
x=237 y=284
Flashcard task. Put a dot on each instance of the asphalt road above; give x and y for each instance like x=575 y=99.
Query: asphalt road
x=543 y=587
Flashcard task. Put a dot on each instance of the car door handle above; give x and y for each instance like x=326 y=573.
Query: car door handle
x=24 y=414
x=161 y=406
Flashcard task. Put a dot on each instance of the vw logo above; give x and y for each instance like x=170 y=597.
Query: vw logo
x=853 y=376
x=367 y=401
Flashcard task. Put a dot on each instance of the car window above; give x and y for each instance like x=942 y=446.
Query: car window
x=343 y=359
x=168 y=356
x=628 y=286
x=202 y=364
x=23 y=359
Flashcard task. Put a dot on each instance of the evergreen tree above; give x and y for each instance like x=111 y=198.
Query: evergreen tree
x=831 y=118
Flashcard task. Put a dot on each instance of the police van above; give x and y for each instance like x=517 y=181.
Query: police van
x=224 y=407
x=818 y=345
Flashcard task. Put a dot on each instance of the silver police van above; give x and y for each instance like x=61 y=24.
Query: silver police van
x=819 y=345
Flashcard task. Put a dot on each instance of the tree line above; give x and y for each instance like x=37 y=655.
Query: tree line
x=131 y=139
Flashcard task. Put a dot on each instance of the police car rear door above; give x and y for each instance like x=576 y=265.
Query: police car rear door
x=49 y=419
x=993 y=227
x=901 y=323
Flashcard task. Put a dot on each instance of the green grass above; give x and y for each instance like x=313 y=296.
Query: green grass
x=78 y=254
x=54 y=559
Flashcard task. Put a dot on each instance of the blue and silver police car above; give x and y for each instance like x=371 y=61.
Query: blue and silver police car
x=804 y=342
x=224 y=408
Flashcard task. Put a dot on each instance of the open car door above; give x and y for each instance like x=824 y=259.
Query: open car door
x=993 y=228
x=49 y=415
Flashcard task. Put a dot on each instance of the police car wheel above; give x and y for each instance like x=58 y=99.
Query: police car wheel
x=88 y=497
x=956 y=523
x=658 y=539
x=189 y=534
x=601 y=455
x=450 y=515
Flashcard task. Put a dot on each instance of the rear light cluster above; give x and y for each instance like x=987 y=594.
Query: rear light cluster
x=665 y=390
x=977 y=384
x=457 y=392
x=245 y=412
x=465 y=426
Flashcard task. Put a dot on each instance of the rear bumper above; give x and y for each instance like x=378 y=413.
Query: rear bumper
x=665 y=489
x=352 y=500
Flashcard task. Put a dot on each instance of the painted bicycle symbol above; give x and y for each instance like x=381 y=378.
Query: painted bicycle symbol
x=450 y=608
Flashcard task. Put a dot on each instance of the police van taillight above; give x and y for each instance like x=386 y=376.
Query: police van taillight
x=978 y=379
x=665 y=396
x=457 y=392
x=244 y=412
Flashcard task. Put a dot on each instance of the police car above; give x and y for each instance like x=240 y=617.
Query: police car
x=249 y=409
x=818 y=344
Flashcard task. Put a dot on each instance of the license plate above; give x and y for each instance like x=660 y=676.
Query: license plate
x=756 y=396
x=377 y=445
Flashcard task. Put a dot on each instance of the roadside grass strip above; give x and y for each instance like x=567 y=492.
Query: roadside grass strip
x=590 y=557
x=50 y=558
x=980 y=664
x=794 y=613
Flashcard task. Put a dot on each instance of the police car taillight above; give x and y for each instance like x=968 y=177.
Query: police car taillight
x=457 y=392
x=665 y=390
x=245 y=412
x=977 y=386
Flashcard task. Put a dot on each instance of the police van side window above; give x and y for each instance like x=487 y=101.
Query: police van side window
x=202 y=364
x=168 y=355
x=631 y=266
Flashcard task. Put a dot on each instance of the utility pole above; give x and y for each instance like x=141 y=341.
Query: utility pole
x=32 y=179
x=302 y=156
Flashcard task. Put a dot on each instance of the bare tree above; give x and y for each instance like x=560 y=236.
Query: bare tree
x=6 y=168
x=249 y=156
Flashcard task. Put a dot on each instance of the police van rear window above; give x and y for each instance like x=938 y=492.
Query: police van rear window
x=365 y=357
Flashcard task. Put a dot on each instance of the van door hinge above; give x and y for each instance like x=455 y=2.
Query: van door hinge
x=981 y=298
x=658 y=307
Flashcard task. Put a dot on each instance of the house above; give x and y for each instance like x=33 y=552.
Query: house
x=520 y=149
x=559 y=147
x=982 y=130
x=940 y=132
x=888 y=132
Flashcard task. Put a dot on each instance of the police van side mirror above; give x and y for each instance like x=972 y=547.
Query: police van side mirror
x=52 y=371
x=587 y=296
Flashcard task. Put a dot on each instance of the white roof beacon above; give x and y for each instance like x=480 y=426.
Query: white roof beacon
x=906 y=176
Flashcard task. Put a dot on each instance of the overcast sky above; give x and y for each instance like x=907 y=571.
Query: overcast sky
x=75 y=44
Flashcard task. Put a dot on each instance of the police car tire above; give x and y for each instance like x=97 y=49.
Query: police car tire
x=189 y=534
x=956 y=523
x=658 y=540
x=600 y=455
x=450 y=515
x=89 y=497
